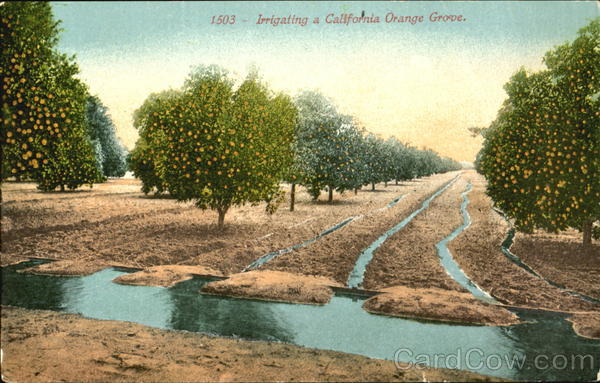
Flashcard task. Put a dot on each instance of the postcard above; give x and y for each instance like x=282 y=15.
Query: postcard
x=300 y=191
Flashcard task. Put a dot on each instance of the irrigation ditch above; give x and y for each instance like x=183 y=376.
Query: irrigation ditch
x=341 y=325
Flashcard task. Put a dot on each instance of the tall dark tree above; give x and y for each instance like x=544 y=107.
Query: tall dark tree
x=109 y=151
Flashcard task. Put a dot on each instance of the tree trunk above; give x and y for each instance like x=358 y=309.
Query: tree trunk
x=330 y=200
x=385 y=183
x=396 y=182
x=587 y=233
x=62 y=188
x=372 y=186
x=222 y=211
x=355 y=191
x=292 y=196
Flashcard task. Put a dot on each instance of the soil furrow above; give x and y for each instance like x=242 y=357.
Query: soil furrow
x=141 y=232
x=478 y=252
x=334 y=256
x=409 y=257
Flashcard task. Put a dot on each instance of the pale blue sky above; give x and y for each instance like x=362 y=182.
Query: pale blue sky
x=424 y=83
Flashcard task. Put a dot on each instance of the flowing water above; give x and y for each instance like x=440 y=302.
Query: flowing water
x=452 y=268
x=357 y=275
x=545 y=348
x=267 y=257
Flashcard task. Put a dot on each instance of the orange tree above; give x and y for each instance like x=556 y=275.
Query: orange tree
x=150 y=146
x=43 y=133
x=217 y=145
x=541 y=155
x=325 y=146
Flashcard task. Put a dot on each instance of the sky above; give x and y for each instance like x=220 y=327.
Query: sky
x=424 y=83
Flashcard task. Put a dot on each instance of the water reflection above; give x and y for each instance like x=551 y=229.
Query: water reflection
x=32 y=291
x=341 y=325
x=230 y=317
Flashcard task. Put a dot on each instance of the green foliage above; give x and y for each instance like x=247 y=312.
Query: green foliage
x=331 y=151
x=109 y=151
x=541 y=154
x=214 y=144
x=322 y=150
x=141 y=162
x=43 y=129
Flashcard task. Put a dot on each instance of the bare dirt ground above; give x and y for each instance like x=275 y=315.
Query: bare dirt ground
x=438 y=304
x=116 y=224
x=131 y=229
x=274 y=286
x=409 y=257
x=586 y=325
x=478 y=252
x=67 y=267
x=562 y=259
x=42 y=346
x=164 y=276
x=334 y=256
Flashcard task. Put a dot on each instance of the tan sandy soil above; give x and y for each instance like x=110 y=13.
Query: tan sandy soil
x=27 y=191
x=165 y=276
x=562 y=259
x=66 y=267
x=274 y=286
x=139 y=231
x=12 y=259
x=42 y=346
x=334 y=256
x=440 y=305
x=586 y=325
x=409 y=257
x=478 y=252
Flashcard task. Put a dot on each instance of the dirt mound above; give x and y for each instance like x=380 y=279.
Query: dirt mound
x=586 y=325
x=10 y=259
x=164 y=276
x=72 y=268
x=438 y=304
x=275 y=286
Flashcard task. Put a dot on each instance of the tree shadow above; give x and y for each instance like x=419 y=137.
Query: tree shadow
x=344 y=202
x=157 y=196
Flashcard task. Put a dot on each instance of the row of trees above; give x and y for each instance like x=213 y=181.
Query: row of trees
x=223 y=146
x=332 y=152
x=53 y=131
x=541 y=156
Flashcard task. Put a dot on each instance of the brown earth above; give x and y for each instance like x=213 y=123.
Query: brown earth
x=586 y=325
x=66 y=268
x=440 y=305
x=409 y=257
x=477 y=250
x=274 y=286
x=165 y=276
x=334 y=256
x=42 y=346
x=131 y=229
x=562 y=259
